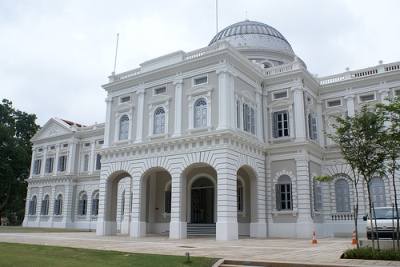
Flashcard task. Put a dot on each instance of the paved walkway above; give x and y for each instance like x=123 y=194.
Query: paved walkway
x=327 y=251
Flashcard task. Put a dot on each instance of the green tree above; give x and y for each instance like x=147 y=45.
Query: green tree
x=360 y=139
x=391 y=113
x=16 y=130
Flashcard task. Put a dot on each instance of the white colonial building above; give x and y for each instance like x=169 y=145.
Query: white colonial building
x=224 y=140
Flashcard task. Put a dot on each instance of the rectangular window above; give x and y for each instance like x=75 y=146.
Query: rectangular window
x=40 y=150
x=334 y=103
x=49 y=165
x=101 y=142
x=62 y=163
x=317 y=197
x=52 y=147
x=281 y=124
x=249 y=119
x=65 y=145
x=283 y=196
x=37 y=164
x=312 y=127
x=365 y=98
x=125 y=99
x=161 y=90
x=279 y=95
x=200 y=80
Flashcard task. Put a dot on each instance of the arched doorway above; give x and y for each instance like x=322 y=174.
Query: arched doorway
x=202 y=201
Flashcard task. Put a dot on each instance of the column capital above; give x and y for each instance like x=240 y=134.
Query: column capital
x=349 y=97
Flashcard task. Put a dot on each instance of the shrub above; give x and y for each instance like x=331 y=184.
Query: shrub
x=366 y=253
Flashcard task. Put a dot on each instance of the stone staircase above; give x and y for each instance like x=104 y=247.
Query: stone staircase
x=201 y=229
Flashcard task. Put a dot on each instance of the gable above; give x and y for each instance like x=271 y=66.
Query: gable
x=54 y=127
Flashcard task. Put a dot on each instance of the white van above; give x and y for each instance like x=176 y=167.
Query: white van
x=384 y=223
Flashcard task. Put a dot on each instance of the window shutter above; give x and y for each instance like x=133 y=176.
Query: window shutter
x=80 y=207
x=55 y=206
x=30 y=207
x=314 y=131
x=278 y=196
x=275 y=124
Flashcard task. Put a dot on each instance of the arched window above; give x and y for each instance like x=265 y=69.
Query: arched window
x=58 y=205
x=32 y=206
x=377 y=188
x=95 y=204
x=342 y=196
x=82 y=205
x=284 y=193
x=124 y=127
x=159 y=121
x=45 y=205
x=200 y=113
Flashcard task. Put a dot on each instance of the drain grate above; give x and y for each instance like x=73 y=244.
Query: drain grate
x=186 y=247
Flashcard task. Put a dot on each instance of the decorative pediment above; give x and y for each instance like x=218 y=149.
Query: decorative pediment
x=334 y=111
x=123 y=107
x=158 y=99
x=54 y=127
x=199 y=90
x=247 y=95
x=281 y=103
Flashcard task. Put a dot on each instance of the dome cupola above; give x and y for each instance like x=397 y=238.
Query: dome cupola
x=254 y=38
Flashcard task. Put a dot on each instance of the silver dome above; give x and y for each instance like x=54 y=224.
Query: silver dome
x=252 y=34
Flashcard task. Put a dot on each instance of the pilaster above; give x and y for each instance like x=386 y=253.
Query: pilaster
x=139 y=130
x=227 y=225
x=299 y=113
x=350 y=104
x=225 y=100
x=178 y=109
x=108 y=122
x=177 y=226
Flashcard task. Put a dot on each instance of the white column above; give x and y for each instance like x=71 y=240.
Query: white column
x=259 y=124
x=266 y=122
x=32 y=161
x=227 y=225
x=92 y=157
x=71 y=157
x=320 y=123
x=299 y=114
x=177 y=226
x=56 y=160
x=178 y=109
x=107 y=126
x=67 y=204
x=225 y=100
x=350 y=104
x=127 y=207
x=138 y=224
x=259 y=228
x=139 y=129
x=42 y=167
x=25 y=223
x=304 y=225
x=51 y=205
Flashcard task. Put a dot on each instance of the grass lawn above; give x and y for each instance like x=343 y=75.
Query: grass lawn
x=13 y=254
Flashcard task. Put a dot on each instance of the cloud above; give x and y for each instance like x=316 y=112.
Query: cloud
x=55 y=55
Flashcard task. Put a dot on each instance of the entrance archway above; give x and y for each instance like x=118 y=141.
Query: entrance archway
x=202 y=201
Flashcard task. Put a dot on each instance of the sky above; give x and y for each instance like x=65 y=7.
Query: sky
x=55 y=55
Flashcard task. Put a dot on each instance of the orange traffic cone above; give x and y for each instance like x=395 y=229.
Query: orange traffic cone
x=314 y=238
x=354 y=240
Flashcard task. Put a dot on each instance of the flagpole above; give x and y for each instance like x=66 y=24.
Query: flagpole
x=116 y=52
x=216 y=8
